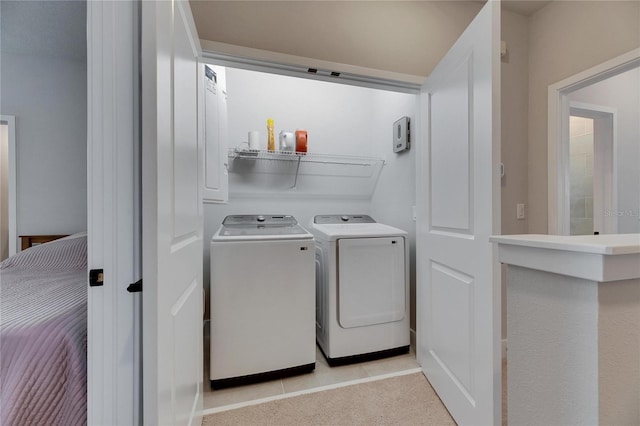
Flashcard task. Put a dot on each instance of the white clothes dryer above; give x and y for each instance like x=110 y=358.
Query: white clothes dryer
x=362 y=288
x=262 y=300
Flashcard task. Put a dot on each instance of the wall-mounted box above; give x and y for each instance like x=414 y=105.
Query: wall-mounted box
x=401 y=134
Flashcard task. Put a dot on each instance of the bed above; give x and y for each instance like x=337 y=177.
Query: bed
x=43 y=334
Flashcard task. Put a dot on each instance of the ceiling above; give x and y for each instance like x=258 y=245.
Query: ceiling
x=58 y=28
x=524 y=7
x=408 y=37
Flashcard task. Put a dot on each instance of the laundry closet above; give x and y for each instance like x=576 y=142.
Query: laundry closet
x=350 y=167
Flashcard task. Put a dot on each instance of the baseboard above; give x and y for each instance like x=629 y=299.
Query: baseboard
x=504 y=348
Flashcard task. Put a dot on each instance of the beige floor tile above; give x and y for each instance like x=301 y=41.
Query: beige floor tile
x=320 y=359
x=234 y=395
x=324 y=375
x=390 y=365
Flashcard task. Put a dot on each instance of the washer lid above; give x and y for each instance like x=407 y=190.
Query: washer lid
x=260 y=227
x=252 y=220
x=343 y=218
x=333 y=227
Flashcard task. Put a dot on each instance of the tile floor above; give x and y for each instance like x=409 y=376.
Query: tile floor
x=323 y=375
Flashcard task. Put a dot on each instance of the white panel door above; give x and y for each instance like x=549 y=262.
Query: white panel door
x=172 y=217
x=458 y=301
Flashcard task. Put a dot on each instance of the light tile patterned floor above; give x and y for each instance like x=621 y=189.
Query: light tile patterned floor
x=323 y=375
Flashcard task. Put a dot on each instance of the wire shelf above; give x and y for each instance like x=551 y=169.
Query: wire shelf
x=312 y=173
x=347 y=160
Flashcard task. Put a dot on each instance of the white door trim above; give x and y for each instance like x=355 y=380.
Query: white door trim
x=10 y=121
x=298 y=66
x=113 y=143
x=558 y=129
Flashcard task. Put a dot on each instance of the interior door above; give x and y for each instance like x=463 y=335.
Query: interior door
x=172 y=217
x=458 y=300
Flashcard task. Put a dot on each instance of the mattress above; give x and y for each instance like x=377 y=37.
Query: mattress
x=43 y=334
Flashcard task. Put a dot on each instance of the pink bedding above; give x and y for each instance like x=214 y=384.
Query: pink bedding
x=43 y=335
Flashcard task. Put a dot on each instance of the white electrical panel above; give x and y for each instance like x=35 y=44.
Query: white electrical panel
x=214 y=137
x=401 y=134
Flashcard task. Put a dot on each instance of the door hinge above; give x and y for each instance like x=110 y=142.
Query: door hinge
x=96 y=277
x=135 y=287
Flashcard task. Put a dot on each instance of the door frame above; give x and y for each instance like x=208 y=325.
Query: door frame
x=103 y=322
x=605 y=142
x=10 y=121
x=226 y=55
x=113 y=212
x=558 y=131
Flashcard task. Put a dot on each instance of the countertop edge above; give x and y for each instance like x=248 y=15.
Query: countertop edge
x=581 y=244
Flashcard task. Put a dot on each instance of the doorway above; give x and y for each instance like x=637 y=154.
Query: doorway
x=616 y=155
x=592 y=175
x=8 y=237
x=4 y=193
x=336 y=180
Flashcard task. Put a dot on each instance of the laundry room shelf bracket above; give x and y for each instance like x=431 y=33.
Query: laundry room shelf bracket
x=295 y=179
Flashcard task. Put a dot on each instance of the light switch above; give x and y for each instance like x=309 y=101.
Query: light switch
x=520 y=211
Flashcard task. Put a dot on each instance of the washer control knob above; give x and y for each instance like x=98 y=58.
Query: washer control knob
x=260 y=218
x=345 y=218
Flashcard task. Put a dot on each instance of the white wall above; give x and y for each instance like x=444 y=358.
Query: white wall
x=565 y=38
x=514 y=103
x=622 y=94
x=392 y=202
x=49 y=99
x=513 y=146
x=43 y=84
x=340 y=119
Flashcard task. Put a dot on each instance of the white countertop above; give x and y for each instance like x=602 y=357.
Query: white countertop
x=599 y=258
x=609 y=244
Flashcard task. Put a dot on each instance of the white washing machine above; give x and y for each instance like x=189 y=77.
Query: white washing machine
x=262 y=300
x=362 y=288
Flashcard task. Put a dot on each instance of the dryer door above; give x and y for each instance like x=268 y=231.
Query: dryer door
x=371 y=281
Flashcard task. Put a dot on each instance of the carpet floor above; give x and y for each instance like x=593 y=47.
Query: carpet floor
x=402 y=400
